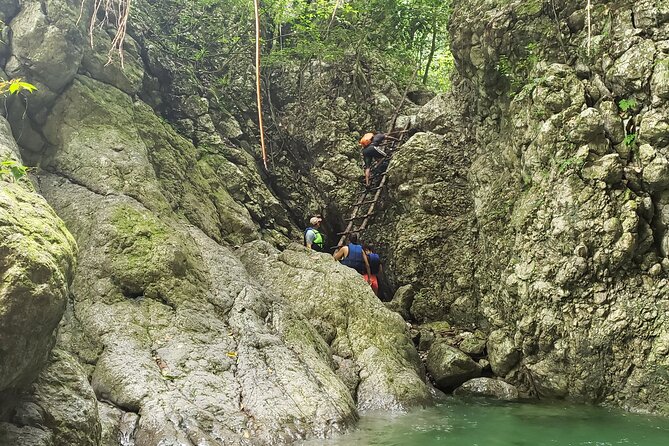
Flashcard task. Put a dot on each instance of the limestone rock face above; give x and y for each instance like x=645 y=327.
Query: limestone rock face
x=168 y=337
x=487 y=388
x=367 y=333
x=37 y=257
x=142 y=158
x=568 y=180
x=61 y=406
x=449 y=367
x=47 y=45
x=426 y=233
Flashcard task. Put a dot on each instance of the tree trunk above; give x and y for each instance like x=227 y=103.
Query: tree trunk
x=433 y=47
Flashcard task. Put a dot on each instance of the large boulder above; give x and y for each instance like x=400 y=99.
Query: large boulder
x=502 y=352
x=37 y=256
x=449 y=367
x=487 y=388
x=425 y=236
x=60 y=408
x=401 y=302
x=350 y=318
x=176 y=330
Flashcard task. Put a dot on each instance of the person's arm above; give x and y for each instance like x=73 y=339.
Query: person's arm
x=369 y=271
x=380 y=267
x=341 y=253
x=309 y=238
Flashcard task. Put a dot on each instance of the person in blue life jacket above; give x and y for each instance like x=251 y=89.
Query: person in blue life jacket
x=313 y=239
x=353 y=256
x=375 y=268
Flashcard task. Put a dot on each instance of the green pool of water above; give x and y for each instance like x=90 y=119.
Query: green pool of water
x=481 y=423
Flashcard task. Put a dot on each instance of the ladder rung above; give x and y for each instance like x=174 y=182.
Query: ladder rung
x=360 y=217
x=351 y=232
x=360 y=203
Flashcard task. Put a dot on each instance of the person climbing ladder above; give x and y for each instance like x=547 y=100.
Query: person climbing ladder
x=371 y=151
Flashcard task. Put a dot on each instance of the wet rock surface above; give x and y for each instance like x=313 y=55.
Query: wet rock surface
x=487 y=388
x=449 y=367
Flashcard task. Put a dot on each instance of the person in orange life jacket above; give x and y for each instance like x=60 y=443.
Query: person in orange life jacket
x=371 y=151
x=375 y=268
x=313 y=239
x=353 y=256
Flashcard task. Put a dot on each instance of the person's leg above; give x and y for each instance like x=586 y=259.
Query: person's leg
x=369 y=159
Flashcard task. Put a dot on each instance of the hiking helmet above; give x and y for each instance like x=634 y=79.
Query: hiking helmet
x=366 y=139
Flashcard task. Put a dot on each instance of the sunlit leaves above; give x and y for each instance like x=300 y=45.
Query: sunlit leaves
x=15 y=86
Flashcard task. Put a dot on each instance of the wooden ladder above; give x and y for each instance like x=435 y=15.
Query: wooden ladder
x=369 y=198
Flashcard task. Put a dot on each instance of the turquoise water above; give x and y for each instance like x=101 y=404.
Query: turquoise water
x=480 y=423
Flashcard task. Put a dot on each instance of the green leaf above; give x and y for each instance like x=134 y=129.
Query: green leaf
x=27 y=86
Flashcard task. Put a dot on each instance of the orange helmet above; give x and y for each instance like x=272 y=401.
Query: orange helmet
x=366 y=139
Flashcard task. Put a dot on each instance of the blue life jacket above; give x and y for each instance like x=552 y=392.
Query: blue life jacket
x=374 y=262
x=354 y=258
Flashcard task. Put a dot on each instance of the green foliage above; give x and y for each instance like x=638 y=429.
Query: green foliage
x=627 y=104
x=443 y=65
x=399 y=31
x=630 y=140
x=207 y=38
x=15 y=86
x=517 y=69
x=12 y=170
x=568 y=163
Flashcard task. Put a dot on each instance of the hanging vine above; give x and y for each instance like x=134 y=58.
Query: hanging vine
x=116 y=12
x=258 y=91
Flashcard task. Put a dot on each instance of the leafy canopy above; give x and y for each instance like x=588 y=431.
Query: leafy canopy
x=208 y=37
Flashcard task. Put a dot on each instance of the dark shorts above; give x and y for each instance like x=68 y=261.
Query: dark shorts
x=370 y=154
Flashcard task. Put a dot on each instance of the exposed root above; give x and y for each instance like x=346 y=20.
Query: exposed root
x=114 y=12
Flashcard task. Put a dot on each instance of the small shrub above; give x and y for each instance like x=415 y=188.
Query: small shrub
x=630 y=140
x=12 y=170
x=626 y=104
x=15 y=86
x=567 y=163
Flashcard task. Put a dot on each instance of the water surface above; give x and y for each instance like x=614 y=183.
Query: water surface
x=481 y=423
